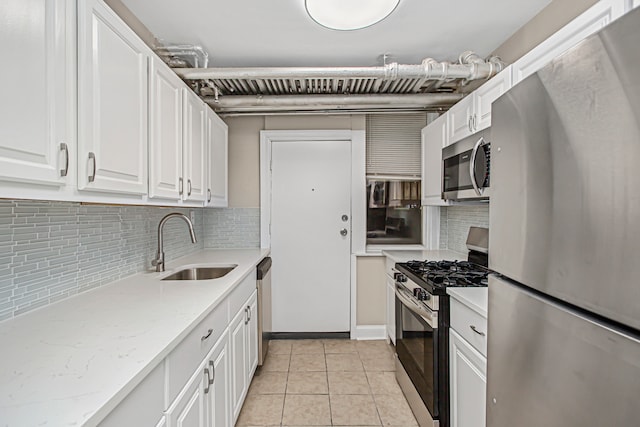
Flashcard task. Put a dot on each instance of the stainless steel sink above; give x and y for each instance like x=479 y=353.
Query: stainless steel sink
x=201 y=273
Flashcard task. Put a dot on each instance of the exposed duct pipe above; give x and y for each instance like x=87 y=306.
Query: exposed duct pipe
x=247 y=103
x=470 y=67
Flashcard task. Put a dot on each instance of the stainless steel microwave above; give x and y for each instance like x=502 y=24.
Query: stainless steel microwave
x=465 y=168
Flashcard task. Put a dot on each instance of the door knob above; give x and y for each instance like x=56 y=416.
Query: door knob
x=343 y=232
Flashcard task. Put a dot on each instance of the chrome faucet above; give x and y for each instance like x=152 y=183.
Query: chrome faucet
x=158 y=262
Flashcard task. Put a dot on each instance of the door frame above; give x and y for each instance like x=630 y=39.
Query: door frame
x=356 y=138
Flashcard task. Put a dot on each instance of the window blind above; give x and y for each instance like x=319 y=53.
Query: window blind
x=393 y=144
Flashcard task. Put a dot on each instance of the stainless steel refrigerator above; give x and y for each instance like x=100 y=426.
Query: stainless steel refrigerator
x=564 y=307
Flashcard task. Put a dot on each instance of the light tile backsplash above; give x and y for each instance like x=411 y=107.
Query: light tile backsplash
x=455 y=222
x=52 y=250
x=232 y=228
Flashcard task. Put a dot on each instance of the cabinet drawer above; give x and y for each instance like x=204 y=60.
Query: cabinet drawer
x=462 y=320
x=193 y=349
x=240 y=295
x=144 y=406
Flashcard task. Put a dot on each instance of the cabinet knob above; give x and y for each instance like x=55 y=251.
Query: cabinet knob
x=204 y=337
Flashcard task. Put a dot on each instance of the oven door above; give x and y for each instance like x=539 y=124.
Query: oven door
x=417 y=346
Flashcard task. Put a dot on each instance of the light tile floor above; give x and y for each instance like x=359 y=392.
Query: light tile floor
x=326 y=383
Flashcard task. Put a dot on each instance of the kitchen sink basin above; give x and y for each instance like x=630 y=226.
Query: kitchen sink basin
x=201 y=273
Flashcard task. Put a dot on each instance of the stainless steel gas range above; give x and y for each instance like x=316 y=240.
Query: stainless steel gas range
x=422 y=326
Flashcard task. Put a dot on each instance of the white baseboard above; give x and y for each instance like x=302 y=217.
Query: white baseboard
x=369 y=332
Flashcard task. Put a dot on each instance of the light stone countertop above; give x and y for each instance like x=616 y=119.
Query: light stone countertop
x=71 y=363
x=433 y=255
x=476 y=299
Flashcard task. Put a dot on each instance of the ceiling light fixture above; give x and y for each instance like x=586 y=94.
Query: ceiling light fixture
x=349 y=14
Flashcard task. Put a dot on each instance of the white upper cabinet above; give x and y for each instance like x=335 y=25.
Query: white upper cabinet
x=217 y=191
x=112 y=102
x=634 y=4
x=592 y=20
x=486 y=94
x=460 y=116
x=434 y=138
x=194 y=147
x=37 y=114
x=473 y=113
x=165 y=132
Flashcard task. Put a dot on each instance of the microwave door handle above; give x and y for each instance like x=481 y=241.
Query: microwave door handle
x=472 y=166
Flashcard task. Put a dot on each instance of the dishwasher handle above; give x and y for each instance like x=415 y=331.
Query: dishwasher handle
x=263 y=267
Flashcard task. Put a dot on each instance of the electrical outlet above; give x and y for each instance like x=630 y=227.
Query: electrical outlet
x=192 y=215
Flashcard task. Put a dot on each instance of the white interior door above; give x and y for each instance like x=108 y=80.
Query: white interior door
x=310 y=194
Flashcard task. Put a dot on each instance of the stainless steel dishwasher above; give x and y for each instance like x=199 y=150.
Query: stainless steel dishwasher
x=264 y=308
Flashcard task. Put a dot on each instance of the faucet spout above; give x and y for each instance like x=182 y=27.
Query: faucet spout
x=158 y=262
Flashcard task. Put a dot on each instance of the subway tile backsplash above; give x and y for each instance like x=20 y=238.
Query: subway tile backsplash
x=455 y=222
x=52 y=250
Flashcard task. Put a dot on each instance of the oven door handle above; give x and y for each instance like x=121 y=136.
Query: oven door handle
x=423 y=312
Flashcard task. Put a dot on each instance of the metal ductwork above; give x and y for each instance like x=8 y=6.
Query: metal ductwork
x=323 y=103
x=429 y=85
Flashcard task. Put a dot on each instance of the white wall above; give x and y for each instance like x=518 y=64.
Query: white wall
x=553 y=17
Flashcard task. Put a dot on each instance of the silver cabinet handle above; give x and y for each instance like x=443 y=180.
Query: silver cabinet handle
x=65 y=148
x=469 y=124
x=181 y=185
x=472 y=166
x=204 y=337
x=188 y=187
x=475 y=122
x=343 y=232
x=473 y=328
x=250 y=313
x=92 y=157
x=208 y=381
x=209 y=195
x=246 y=315
x=213 y=372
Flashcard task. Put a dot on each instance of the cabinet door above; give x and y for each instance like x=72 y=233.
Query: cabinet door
x=165 y=132
x=194 y=147
x=592 y=20
x=36 y=107
x=252 y=336
x=459 y=117
x=112 y=102
x=391 y=309
x=218 y=403
x=433 y=140
x=218 y=161
x=189 y=408
x=468 y=383
x=238 y=343
x=486 y=94
x=635 y=3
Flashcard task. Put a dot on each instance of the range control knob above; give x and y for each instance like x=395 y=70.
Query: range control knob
x=421 y=294
x=399 y=277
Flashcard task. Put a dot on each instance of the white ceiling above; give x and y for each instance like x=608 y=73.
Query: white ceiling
x=280 y=33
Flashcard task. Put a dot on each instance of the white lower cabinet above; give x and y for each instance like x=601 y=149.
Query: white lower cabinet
x=204 y=401
x=243 y=337
x=391 y=309
x=468 y=379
